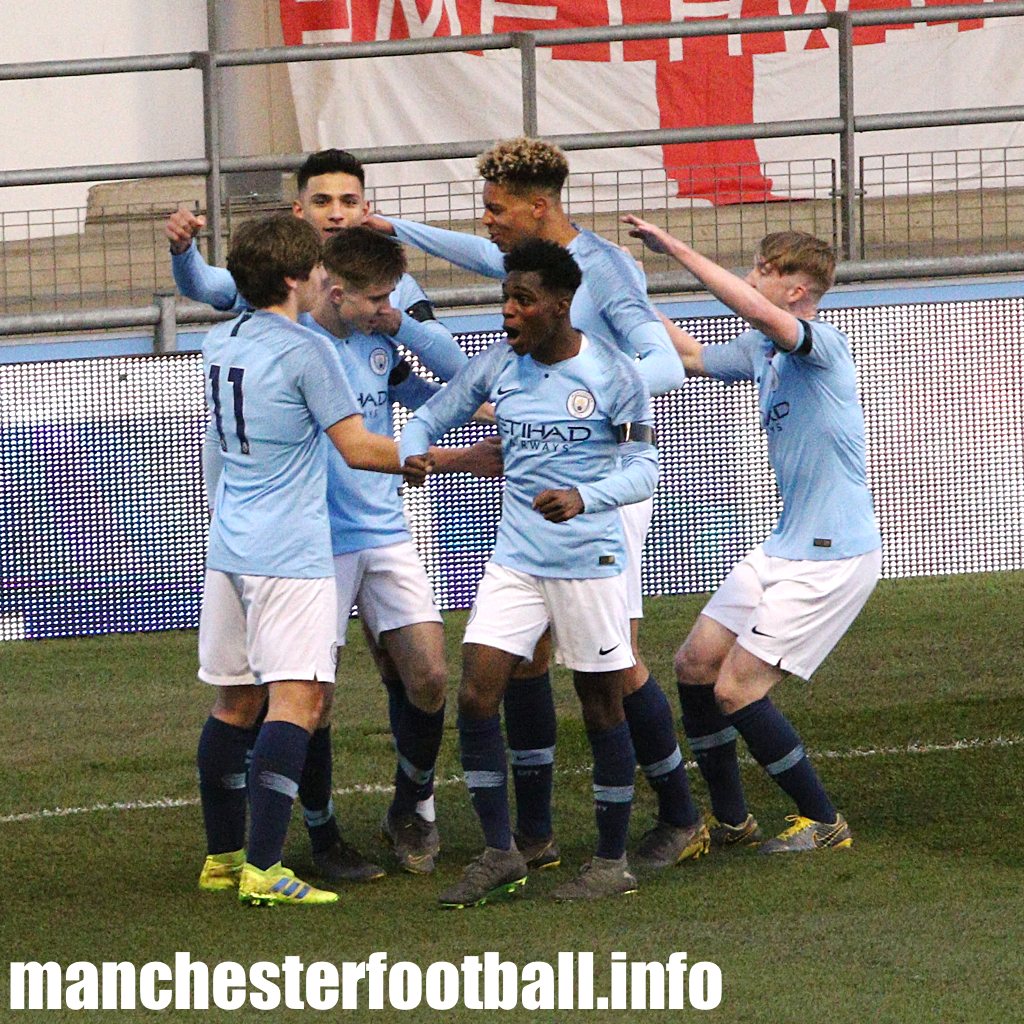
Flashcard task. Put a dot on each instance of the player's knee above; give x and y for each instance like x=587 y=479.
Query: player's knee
x=477 y=702
x=428 y=687
x=693 y=667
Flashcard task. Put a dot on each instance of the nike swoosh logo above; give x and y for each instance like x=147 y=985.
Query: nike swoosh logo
x=506 y=391
x=754 y=629
x=603 y=652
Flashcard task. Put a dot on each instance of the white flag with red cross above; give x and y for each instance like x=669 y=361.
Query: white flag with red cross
x=627 y=86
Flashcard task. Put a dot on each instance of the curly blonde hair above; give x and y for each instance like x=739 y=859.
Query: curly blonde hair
x=523 y=164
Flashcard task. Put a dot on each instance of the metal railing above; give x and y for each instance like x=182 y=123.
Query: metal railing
x=846 y=124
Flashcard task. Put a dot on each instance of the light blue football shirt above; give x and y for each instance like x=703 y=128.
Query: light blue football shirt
x=366 y=509
x=815 y=426
x=610 y=306
x=428 y=338
x=272 y=387
x=559 y=429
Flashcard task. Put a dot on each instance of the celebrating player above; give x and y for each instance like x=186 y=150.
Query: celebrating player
x=789 y=601
x=330 y=197
x=523 y=180
x=577 y=441
x=268 y=621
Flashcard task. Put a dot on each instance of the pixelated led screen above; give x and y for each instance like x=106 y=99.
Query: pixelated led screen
x=104 y=513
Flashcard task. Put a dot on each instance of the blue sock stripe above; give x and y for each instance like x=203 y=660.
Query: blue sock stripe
x=234 y=780
x=278 y=783
x=484 y=779
x=532 y=758
x=715 y=739
x=420 y=776
x=316 y=819
x=613 y=794
x=793 y=758
x=664 y=766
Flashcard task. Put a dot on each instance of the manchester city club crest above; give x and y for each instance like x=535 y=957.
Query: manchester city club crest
x=379 y=361
x=581 y=404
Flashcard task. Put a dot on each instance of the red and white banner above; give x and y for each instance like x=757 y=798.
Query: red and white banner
x=778 y=76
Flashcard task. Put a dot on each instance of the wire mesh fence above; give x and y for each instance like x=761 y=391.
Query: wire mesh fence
x=960 y=202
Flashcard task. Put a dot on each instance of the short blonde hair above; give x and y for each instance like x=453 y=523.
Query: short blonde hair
x=797 y=252
x=523 y=164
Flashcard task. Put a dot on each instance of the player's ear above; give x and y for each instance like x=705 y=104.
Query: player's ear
x=540 y=206
x=297 y=209
x=335 y=291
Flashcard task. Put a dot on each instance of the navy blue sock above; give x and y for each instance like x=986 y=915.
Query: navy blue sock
x=484 y=764
x=777 y=748
x=277 y=760
x=653 y=732
x=713 y=742
x=396 y=701
x=315 y=792
x=531 y=729
x=221 y=759
x=417 y=741
x=614 y=769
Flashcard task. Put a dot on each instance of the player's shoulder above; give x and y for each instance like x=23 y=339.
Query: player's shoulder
x=613 y=368
x=407 y=292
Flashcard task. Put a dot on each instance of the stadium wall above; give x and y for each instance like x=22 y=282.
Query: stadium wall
x=104 y=515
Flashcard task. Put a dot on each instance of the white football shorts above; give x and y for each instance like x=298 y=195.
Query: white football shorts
x=792 y=612
x=636 y=522
x=390 y=586
x=588 y=618
x=265 y=629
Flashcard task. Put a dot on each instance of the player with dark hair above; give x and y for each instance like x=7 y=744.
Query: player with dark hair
x=375 y=562
x=523 y=179
x=331 y=199
x=578 y=442
x=790 y=600
x=268 y=621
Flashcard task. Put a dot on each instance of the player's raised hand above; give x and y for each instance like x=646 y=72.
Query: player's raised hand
x=416 y=468
x=181 y=227
x=656 y=239
x=559 y=506
x=378 y=223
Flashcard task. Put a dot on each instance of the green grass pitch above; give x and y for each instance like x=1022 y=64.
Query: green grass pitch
x=916 y=723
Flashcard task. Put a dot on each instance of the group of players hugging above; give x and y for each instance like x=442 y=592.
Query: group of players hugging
x=303 y=476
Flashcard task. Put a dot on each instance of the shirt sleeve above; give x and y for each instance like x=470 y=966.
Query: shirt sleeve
x=196 y=279
x=733 y=361
x=637 y=476
x=827 y=344
x=414 y=391
x=660 y=366
x=468 y=251
x=453 y=406
x=422 y=333
x=324 y=385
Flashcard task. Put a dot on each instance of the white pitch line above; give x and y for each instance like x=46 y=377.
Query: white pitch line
x=161 y=803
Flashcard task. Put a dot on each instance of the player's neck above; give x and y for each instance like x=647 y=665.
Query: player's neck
x=564 y=343
x=327 y=317
x=289 y=308
x=558 y=228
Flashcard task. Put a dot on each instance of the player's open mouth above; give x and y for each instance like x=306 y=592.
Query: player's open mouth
x=512 y=332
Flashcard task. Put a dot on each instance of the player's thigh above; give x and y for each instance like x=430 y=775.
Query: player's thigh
x=590 y=623
x=394 y=590
x=485 y=675
x=291 y=628
x=636 y=523
x=509 y=612
x=223 y=648
x=806 y=608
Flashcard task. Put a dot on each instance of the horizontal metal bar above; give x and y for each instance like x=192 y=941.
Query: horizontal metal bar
x=354 y=51
x=955 y=12
x=938 y=118
x=98 y=66
x=104 y=319
x=103 y=172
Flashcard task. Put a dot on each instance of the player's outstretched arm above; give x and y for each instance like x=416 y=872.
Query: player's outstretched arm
x=195 y=278
x=362 y=449
x=688 y=348
x=471 y=252
x=482 y=459
x=743 y=299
